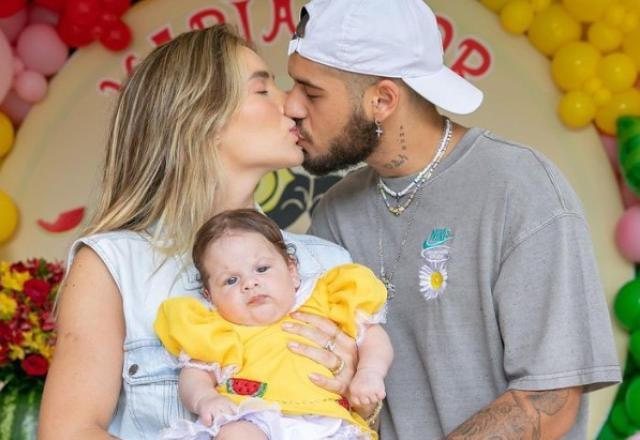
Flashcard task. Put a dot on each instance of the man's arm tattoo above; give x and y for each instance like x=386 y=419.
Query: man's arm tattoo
x=517 y=415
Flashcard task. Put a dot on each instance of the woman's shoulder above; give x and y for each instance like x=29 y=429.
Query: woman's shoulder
x=316 y=255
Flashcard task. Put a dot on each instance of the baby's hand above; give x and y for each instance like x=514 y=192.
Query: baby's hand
x=367 y=387
x=212 y=406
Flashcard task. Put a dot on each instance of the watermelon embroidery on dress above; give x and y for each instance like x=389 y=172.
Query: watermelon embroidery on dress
x=344 y=403
x=246 y=387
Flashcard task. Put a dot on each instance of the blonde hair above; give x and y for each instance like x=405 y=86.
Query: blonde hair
x=162 y=168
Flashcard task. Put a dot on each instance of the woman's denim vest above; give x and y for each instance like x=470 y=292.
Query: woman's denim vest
x=148 y=400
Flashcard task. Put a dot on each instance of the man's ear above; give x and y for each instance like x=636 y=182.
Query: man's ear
x=384 y=97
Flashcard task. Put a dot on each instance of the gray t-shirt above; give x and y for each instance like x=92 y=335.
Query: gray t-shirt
x=497 y=286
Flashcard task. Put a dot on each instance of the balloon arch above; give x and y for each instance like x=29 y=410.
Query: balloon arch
x=62 y=63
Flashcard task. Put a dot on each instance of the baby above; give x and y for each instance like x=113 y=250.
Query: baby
x=237 y=374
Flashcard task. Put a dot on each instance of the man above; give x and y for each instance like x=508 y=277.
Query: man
x=496 y=312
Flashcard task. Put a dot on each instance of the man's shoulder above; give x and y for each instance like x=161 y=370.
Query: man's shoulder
x=525 y=171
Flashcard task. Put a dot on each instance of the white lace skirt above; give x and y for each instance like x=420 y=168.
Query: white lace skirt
x=274 y=424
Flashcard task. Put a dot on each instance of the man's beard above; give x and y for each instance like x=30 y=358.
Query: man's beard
x=354 y=145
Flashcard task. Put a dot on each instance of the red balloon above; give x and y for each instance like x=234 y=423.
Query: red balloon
x=10 y=7
x=82 y=12
x=53 y=5
x=106 y=20
x=116 y=37
x=117 y=7
x=73 y=34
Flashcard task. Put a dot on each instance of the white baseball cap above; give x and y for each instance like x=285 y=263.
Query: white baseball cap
x=388 y=38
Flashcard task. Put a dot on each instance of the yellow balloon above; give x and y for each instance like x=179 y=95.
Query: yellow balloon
x=552 y=29
x=516 y=16
x=539 y=5
x=586 y=11
x=630 y=22
x=8 y=217
x=631 y=5
x=576 y=109
x=614 y=16
x=494 y=5
x=573 y=64
x=604 y=37
x=626 y=103
x=617 y=71
x=631 y=46
x=6 y=134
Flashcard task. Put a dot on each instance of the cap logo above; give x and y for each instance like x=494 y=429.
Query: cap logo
x=302 y=25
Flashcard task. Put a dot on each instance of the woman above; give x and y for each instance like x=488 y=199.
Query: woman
x=196 y=127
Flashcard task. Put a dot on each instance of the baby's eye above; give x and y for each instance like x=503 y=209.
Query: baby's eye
x=263 y=269
x=231 y=281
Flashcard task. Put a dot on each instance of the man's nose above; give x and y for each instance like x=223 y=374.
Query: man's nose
x=293 y=106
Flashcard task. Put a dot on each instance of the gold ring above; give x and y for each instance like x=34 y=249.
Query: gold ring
x=339 y=368
x=330 y=345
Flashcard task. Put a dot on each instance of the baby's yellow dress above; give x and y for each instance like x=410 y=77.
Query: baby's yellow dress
x=350 y=295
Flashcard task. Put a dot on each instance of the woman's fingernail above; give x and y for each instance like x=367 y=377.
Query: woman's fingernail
x=314 y=376
x=287 y=326
x=293 y=345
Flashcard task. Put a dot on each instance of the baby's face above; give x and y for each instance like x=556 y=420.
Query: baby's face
x=250 y=283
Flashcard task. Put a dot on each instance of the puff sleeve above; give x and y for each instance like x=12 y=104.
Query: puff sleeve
x=354 y=296
x=186 y=327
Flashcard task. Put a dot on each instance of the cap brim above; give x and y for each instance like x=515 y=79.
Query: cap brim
x=447 y=90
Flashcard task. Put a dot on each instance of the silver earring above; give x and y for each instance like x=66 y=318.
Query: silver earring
x=379 y=130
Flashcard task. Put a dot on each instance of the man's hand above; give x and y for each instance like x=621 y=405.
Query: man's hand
x=524 y=415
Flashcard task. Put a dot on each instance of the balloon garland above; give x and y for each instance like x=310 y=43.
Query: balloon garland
x=36 y=38
x=594 y=48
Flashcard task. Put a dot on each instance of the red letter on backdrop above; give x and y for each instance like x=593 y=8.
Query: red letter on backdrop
x=241 y=6
x=281 y=14
x=446 y=28
x=197 y=21
x=471 y=46
x=162 y=36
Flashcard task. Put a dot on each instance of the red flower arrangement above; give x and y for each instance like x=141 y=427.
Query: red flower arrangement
x=27 y=338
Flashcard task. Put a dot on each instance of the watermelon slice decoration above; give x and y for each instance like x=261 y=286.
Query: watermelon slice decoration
x=64 y=222
x=246 y=387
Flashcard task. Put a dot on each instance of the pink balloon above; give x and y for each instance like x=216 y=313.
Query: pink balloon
x=15 y=107
x=628 y=197
x=628 y=234
x=6 y=66
x=610 y=144
x=12 y=25
x=30 y=86
x=41 y=49
x=18 y=66
x=40 y=15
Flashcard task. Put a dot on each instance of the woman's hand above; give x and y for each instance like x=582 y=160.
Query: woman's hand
x=338 y=353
